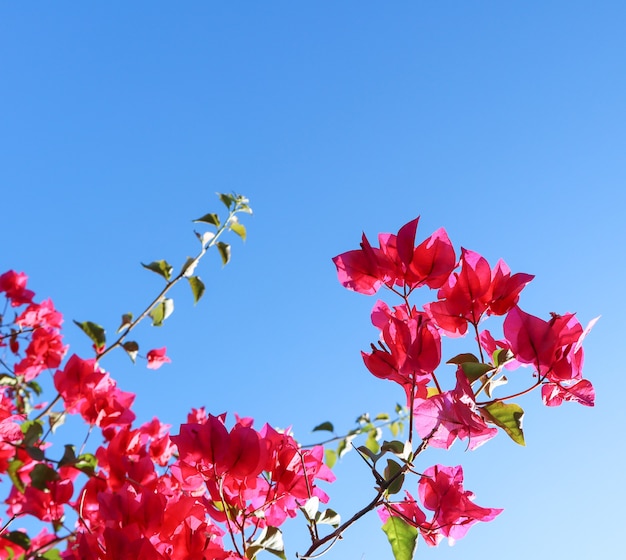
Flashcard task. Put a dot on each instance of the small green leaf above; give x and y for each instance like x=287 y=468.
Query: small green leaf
x=462 y=359
x=205 y=237
x=227 y=199
x=474 y=371
x=162 y=268
x=14 y=466
x=95 y=332
x=212 y=219
x=161 y=311
x=132 y=348
x=330 y=458
x=224 y=250
x=324 y=427
x=509 y=417
x=35 y=453
x=69 y=457
x=189 y=266
x=127 y=319
x=372 y=440
x=391 y=470
x=364 y=450
x=311 y=508
x=87 y=463
x=239 y=229
x=52 y=554
x=55 y=420
x=32 y=430
x=197 y=288
x=395 y=446
x=501 y=356
x=402 y=538
x=41 y=475
x=19 y=538
x=271 y=540
x=382 y=416
x=328 y=517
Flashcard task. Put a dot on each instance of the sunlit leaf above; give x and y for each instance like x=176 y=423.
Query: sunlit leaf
x=462 y=359
x=41 y=475
x=271 y=540
x=330 y=458
x=132 y=348
x=127 y=319
x=509 y=417
x=391 y=470
x=224 y=250
x=328 y=517
x=372 y=440
x=189 y=266
x=162 y=268
x=324 y=427
x=402 y=538
x=95 y=332
x=161 y=311
x=212 y=219
x=239 y=229
x=197 y=288
x=311 y=507
x=474 y=371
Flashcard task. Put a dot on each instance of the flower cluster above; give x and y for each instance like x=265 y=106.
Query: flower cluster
x=409 y=351
x=143 y=493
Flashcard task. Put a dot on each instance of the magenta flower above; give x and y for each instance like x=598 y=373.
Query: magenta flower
x=156 y=358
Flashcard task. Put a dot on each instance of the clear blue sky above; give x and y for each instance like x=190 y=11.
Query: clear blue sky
x=501 y=121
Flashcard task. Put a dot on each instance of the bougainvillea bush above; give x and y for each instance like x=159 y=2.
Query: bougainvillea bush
x=217 y=487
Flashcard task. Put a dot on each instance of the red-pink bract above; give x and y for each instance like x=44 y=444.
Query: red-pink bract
x=156 y=358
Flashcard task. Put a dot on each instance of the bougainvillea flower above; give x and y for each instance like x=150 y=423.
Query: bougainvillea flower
x=473 y=291
x=13 y=284
x=397 y=261
x=443 y=418
x=440 y=490
x=156 y=358
x=411 y=349
x=554 y=348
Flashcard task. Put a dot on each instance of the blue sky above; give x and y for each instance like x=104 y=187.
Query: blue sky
x=502 y=122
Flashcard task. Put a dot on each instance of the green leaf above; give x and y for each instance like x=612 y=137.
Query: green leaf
x=382 y=416
x=32 y=430
x=132 y=348
x=239 y=229
x=310 y=508
x=52 y=554
x=271 y=540
x=392 y=469
x=69 y=457
x=501 y=356
x=55 y=420
x=95 y=332
x=127 y=319
x=324 y=427
x=372 y=440
x=224 y=250
x=509 y=417
x=395 y=446
x=463 y=358
x=330 y=458
x=35 y=387
x=205 y=237
x=41 y=475
x=35 y=453
x=402 y=538
x=161 y=311
x=212 y=219
x=197 y=288
x=19 y=538
x=474 y=371
x=162 y=268
x=189 y=266
x=227 y=199
x=87 y=463
x=328 y=517
x=14 y=466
